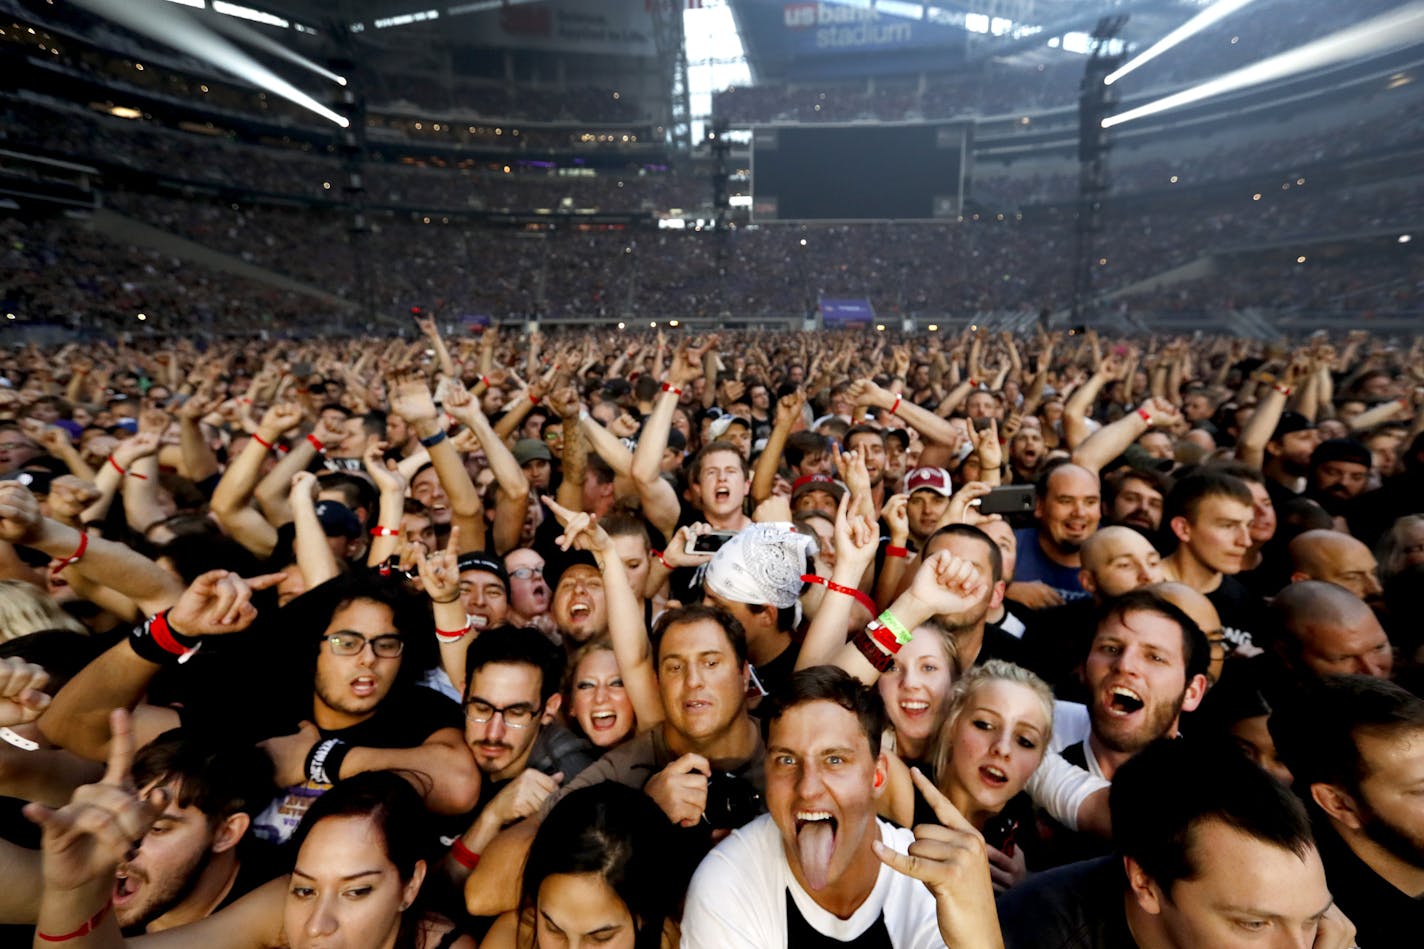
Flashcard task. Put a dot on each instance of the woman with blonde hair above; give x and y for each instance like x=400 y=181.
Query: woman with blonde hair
x=25 y=609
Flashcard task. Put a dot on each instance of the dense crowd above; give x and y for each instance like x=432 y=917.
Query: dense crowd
x=966 y=640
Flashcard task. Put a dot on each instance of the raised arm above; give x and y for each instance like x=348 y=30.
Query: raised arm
x=625 y=617
x=1251 y=446
x=825 y=642
x=410 y=399
x=77 y=719
x=231 y=501
x=102 y=561
x=391 y=485
x=273 y=492
x=512 y=495
x=1112 y=440
x=789 y=410
x=930 y=426
x=314 y=557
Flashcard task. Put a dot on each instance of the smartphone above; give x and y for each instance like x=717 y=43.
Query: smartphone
x=1010 y=499
x=709 y=543
x=301 y=369
x=982 y=423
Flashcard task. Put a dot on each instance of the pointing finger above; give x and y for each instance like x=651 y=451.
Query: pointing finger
x=947 y=813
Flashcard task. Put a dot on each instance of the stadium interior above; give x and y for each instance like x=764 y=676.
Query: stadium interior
x=311 y=166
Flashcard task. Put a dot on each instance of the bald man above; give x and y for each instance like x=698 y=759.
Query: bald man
x=1199 y=608
x=1115 y=560
x=1336 y=557
x=1328 y=631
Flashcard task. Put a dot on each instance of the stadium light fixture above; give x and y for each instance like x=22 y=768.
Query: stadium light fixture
x=247 y=34
x=175 y=28
x=1401 y=27
x=1208 y=17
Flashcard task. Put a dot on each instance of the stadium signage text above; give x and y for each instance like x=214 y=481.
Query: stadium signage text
x=841 y=27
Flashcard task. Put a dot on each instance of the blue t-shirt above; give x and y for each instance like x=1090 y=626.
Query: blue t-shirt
x=1033 y=565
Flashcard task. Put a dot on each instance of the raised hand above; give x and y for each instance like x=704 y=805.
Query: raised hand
x=789 y=407
x=22 y=696
x=218 y=601
x=946 y=584
x=69 y=495
x=84 y=841
x=987 y=446
x=564 y=402
x=134 y=447
x=20 y=517
x=410 y=397
x=304 y=488
x=866 y=392
x=962 y=508
x=440 y=571
x=896 y=514
x=857 y=537
x=384 y=474
x=581 y=529
x=280 y=419
x=677 y=554
x=950 y=859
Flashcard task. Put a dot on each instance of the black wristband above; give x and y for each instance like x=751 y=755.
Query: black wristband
x=323 y=764
x=158 y=642
x=434 y=440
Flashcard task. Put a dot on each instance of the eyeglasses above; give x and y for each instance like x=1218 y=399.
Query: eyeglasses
x=14 y=446
x=526 y=573
x=388 y=646
x=519 y=715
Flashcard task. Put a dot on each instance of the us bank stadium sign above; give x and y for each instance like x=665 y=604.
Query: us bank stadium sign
x=838 y=27
x=812 y=39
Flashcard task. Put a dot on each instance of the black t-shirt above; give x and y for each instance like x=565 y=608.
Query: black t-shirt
x=1385 y=917
x=1243 y=618
x=405 y=719
x=1056 y=643
x=1079 y=906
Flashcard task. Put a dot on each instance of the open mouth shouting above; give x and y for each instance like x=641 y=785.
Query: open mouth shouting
x=1122 y=702
x=815 y=844
x=603 y=720
x=364 y=686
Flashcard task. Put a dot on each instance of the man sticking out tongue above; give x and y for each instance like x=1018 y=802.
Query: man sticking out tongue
x=819 y=867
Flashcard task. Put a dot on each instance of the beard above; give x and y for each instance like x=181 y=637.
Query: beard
x=1156 y=725
x=1398 y=841
x=163 y=895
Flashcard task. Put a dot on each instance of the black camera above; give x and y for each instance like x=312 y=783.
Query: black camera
x=732 y=801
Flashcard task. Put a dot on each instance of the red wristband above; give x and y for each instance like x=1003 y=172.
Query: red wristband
x=162 y=634
x=1283 y=390
x=451 y=635
x=484 y=380
x=973 y=383
x=895 y=406
x=882 y=635
x=261 y=441
x=89 y=926
x=463 y=855
x=316 y=442
x=659 y=554
x=1145 y=415
x=892 y=551
x=671 y=388
x=533 y=400
x=379 y=531
x=879 y=660
x=74 y=557
x=834 y=587
x=117 y=466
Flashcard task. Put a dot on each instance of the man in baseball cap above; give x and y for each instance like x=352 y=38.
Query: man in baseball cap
x=816 y=493
x=929 y=490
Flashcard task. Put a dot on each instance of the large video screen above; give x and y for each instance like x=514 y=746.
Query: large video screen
x=858 y=172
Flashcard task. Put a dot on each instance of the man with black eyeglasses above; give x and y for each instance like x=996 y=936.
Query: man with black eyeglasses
x=324 y=706
x=511 y=701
